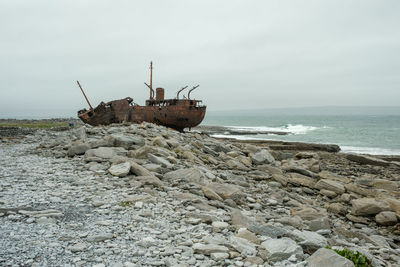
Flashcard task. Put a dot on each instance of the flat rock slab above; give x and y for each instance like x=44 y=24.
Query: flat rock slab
x=368 y=206
x=209 y=249
x=362 y=159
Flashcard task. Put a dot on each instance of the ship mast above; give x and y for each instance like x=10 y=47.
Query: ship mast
x=151 y=80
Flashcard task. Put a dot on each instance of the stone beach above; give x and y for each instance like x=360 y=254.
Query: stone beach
x=145 y=195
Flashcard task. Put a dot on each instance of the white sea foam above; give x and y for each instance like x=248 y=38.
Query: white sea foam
x=369 y=150
x=294 y=129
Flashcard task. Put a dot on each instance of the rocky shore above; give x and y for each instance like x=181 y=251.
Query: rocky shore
x=145 y=195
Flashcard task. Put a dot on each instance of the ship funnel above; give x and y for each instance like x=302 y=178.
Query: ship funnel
x=160 y=94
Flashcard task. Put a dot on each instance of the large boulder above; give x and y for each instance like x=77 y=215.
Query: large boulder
x=368 y=206
x=263 y=157
x=281 y=249
x=328 y=257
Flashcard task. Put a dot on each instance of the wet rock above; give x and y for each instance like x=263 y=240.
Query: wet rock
x=328 y=257
x=368 y=206
x=386 y=218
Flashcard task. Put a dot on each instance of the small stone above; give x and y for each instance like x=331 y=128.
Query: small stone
x=120 y=170
x=99 y=237
x=209 y=248
x=219 y=226
x=78 y=247
x=139 y=205
x=218 y=256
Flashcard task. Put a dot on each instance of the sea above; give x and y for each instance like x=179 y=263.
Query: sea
x=363 y=130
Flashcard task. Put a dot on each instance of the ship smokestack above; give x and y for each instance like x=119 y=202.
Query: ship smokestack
x=160 y=94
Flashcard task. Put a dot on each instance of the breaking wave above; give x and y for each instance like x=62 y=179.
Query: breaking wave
x=292 y=129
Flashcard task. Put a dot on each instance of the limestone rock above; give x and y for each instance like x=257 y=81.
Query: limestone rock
x=210 y=194
x=190 y=175
x=328 y=257
x=310 y=241
x=337 y=208
x=301 y=180
x=307 y=214
x=263 y=157
x=138 y=169
x=330 y=185
x=245 y=247
x=103 y=153
x=224 y=190
x=246 y=234
x=159 y=160
x=281 y=249
x=363 y=159
x=209 y=248
x=160 y=141
x=386 y=218
x=78 y=149
x=120 y=170
x=127 y=141
x=368 y=206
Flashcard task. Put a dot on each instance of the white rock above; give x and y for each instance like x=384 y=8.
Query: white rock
x=120 y=170
x=327 y=257
x=281 y=249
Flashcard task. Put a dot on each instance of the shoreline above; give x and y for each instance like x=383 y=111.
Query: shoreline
x=14 y=128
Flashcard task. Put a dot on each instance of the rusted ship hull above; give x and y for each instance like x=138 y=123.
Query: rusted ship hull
x=118 y=111
x=174 y=113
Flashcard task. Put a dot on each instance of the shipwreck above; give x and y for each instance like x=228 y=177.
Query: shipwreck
x=177 y=113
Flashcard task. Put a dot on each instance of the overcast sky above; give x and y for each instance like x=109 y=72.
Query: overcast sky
x=244 y=54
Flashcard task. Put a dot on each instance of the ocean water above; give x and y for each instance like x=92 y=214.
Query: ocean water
x=377 y=134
